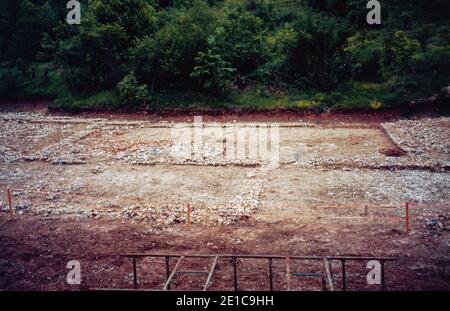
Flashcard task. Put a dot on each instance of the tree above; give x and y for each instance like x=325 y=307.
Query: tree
x=399 y=50
x=211 y=70
x=318 y=56
x=279 y=45
x=23 y=25
x=91 y=60
x=240 y=41
x=92 y=56
x=167 y=57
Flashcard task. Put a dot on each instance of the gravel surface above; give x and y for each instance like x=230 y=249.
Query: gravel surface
x=342 y=164
x=84 y=186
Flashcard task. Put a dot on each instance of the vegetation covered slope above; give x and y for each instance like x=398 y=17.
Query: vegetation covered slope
x=150 y=54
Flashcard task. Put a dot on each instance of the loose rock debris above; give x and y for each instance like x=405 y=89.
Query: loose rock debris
x=79 y=184
x=85 y=148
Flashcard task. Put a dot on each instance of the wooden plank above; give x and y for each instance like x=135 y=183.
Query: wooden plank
x=329 y=274
x=213 y=267
x=288 y=274
x=174 y=271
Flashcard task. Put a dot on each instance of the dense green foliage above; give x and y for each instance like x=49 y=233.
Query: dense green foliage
x=148 y=54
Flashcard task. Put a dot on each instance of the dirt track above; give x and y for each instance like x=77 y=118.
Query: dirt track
x=86 y=187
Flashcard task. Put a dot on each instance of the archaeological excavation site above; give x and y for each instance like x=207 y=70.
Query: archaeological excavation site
x=139 y=206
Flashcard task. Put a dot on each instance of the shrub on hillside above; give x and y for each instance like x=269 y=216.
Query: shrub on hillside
x=133 y=95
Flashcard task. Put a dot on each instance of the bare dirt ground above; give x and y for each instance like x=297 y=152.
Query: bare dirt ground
x=91 y=189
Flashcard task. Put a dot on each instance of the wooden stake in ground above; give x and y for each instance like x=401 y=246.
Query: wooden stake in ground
x=189 y=215
x=407 y=217
x=8 y=195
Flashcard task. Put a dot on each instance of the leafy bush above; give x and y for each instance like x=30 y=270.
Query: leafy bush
x=133 y=95
x=376 y=105
x=366 y=55
x=307 y=104
x=357 y=95
x=256 y=99
x=106 y=100
x=399 y=49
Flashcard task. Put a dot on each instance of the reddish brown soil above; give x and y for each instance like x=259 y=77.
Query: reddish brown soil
x=223 y=115
x=34 y=250
x=34 y=253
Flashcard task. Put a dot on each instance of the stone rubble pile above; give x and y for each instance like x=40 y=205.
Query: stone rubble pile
x=425 y=140
x=166 y=214
x=246 y=203
x=67 y=151
x=242 y=206
x=426 y=144
x=181 y=155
